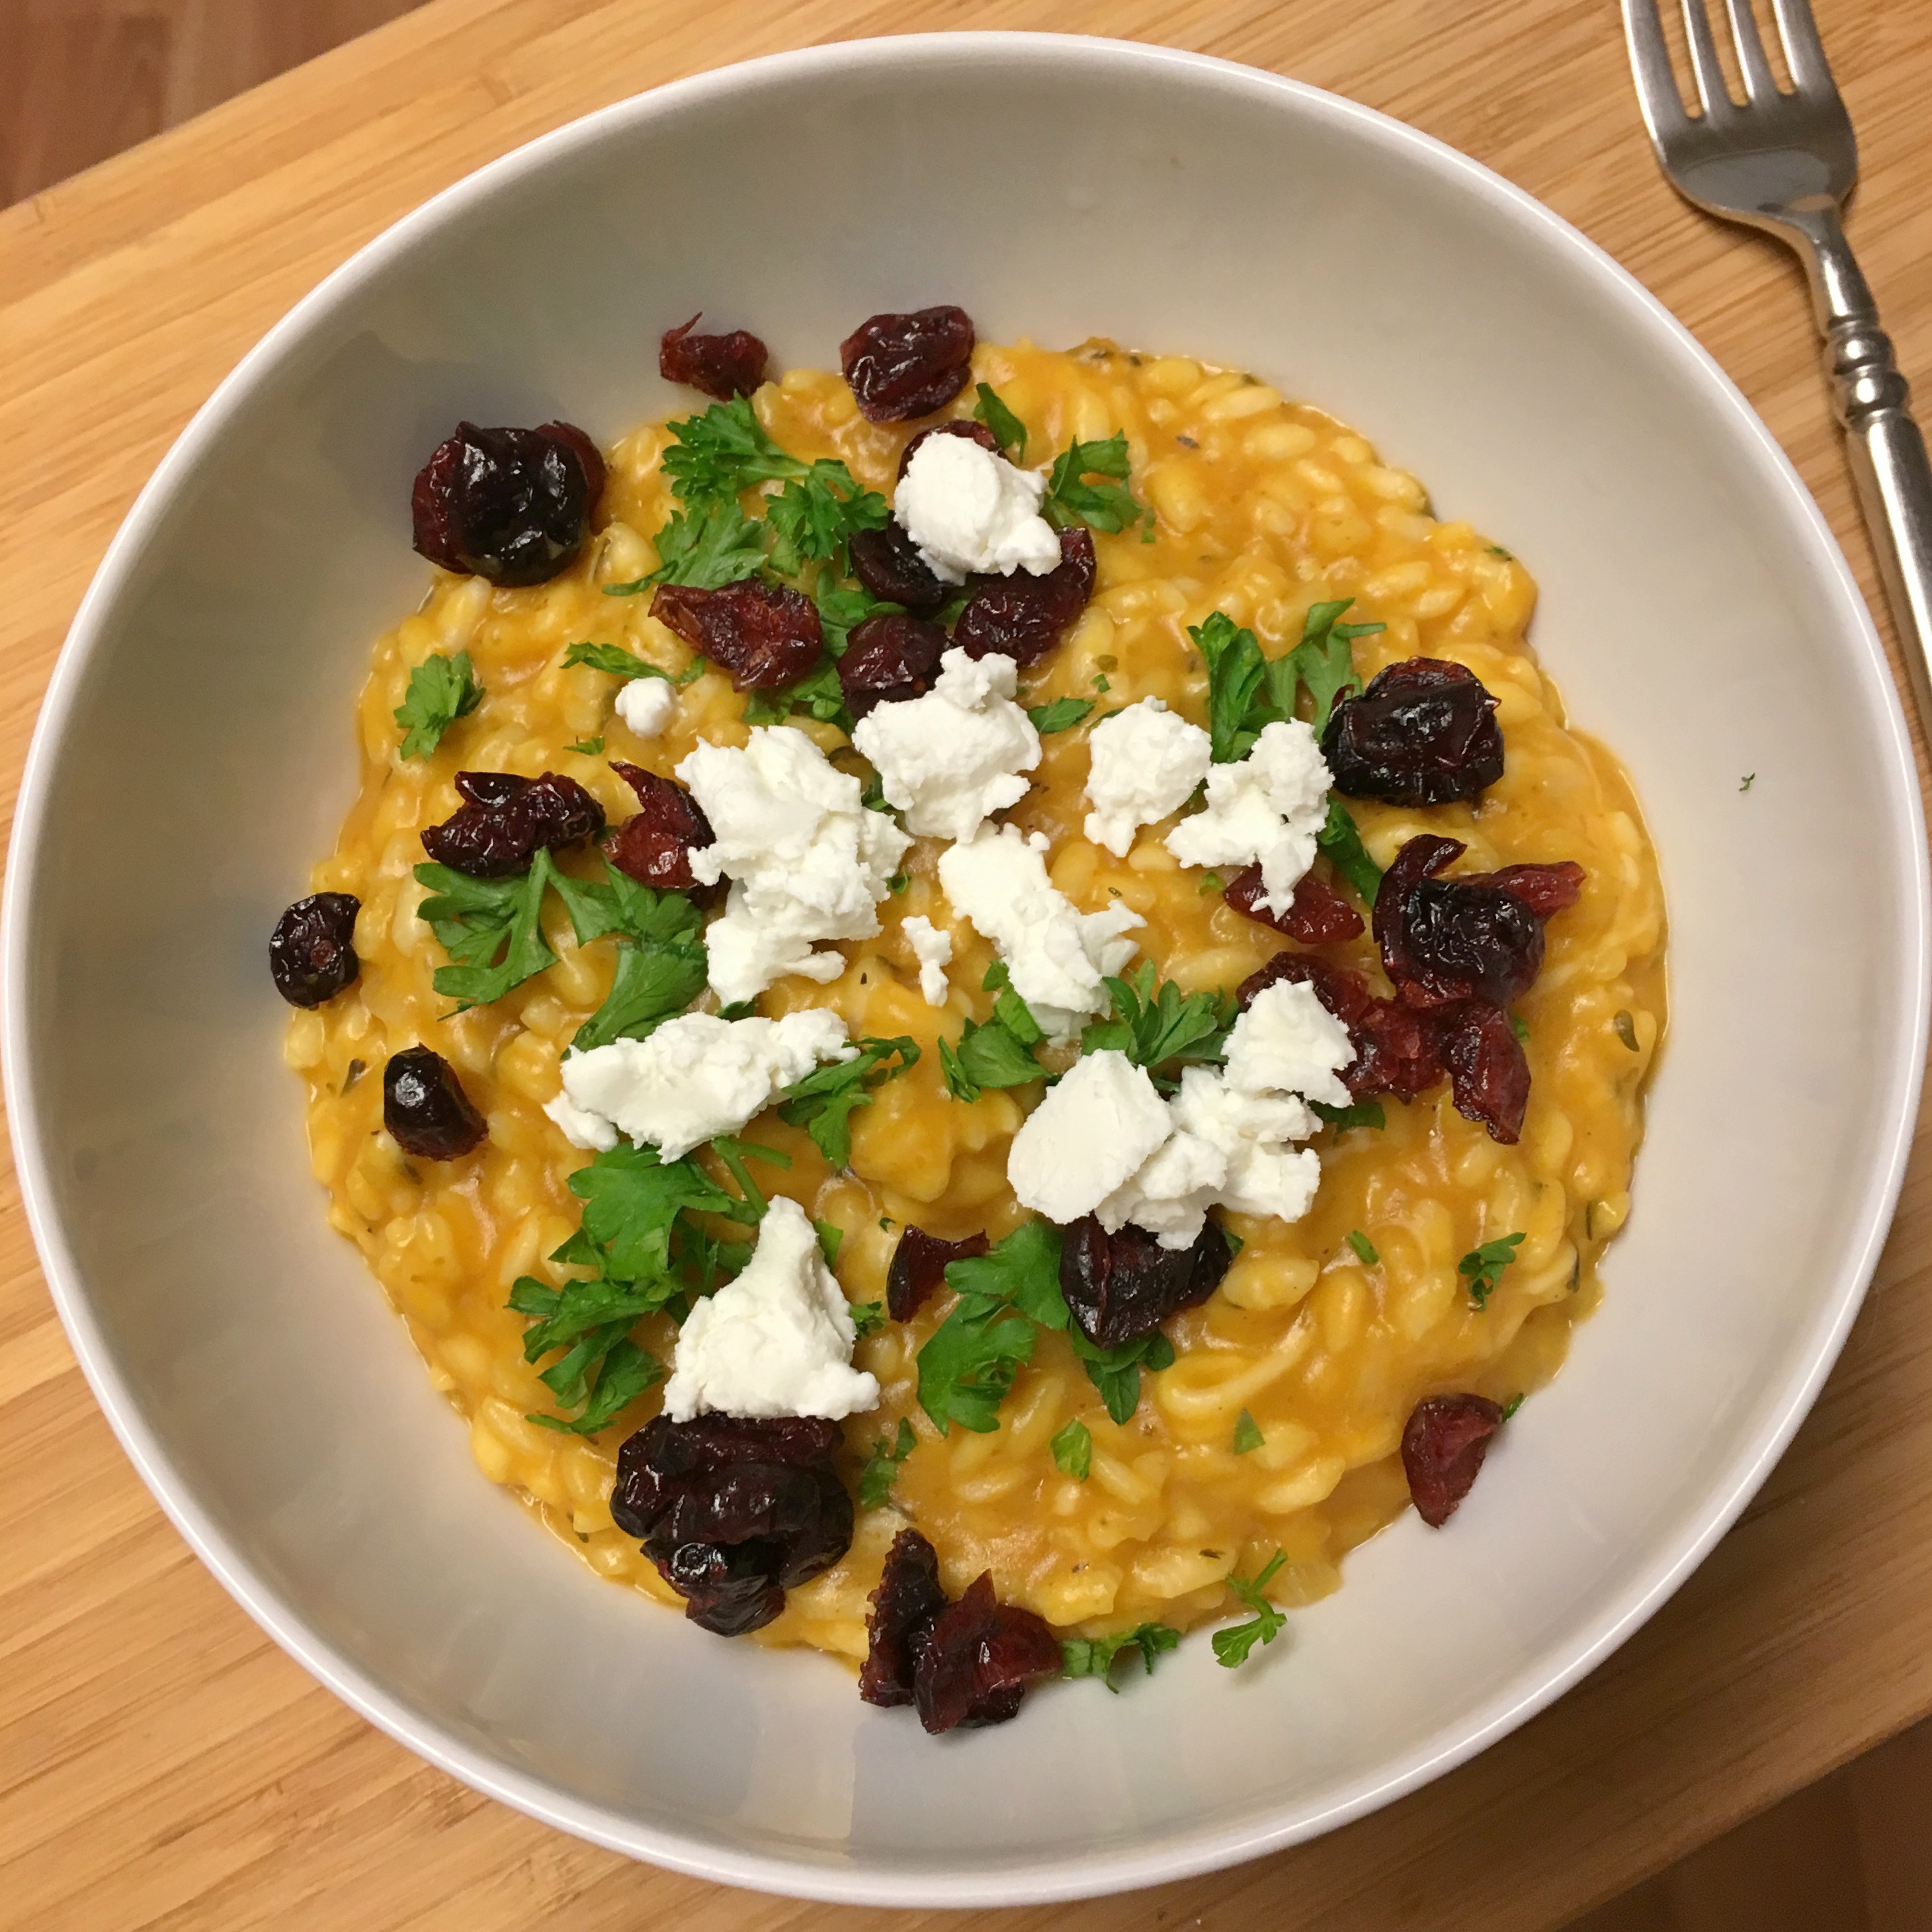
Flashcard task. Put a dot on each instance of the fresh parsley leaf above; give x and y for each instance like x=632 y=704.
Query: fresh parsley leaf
x=724 y=450
x=988 y=1055
x=1072 y=1449
x=1009 y=432
x=590 y=747
x=1096 y=1656
x=1363 y=1114
x=491 y=929
x=1322 y=662
x=564 y=1315
x=1058 y=714
x=831 y=1239
x=1116 y=1372
x=1511 y=1407
x=1023 y=1270
x=1519 y=1026
x=811 y=518
x=1211 y=882
x=1100 y=683
x=882 y=1466
x=661 y=958
x=614 y=659
x=1162 y=1030
x=1483 y=1267
x=708 y=547
x=739 y=1010
x=625 y=1371
x=842 y=607
x=968 y=1364
x=867 y=1317
x=1364 y=1248
x=734 y=1153
x=1744 y=783
x=441 y=689
x=601 y=1371
x=899 y=882
x=1350 y=857
x=1070 y=498
x=1237 y=703
x=824 y=1101
x=818 y=694
x=631 y=1201
x=1233 y=1645
x=1247 y=1434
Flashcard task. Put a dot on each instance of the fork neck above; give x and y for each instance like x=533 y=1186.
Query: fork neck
x=1865 y=380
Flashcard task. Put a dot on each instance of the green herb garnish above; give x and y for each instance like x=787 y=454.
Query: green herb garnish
x=1347 y=853
x=1322 y=662
x=1233 y=1645
x=1483 y=1267
x=441 y=690
x=1162 y=1030
x=1247 y=1434
x=1511 y=1407
x=1095 y=1657
x=825 y=1100
x=882 y=1466
x=1364 y=1248
x=1072 y=1449
x=1363 y=1114
x=1009 y=432
x=868 y=1317
x=491 y=929
x=1058 y=714
x=1106 y=506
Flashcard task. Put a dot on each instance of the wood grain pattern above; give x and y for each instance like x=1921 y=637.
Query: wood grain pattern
x=161 y=1765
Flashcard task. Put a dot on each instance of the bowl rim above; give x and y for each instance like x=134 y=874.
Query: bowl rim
x=1051 y=1877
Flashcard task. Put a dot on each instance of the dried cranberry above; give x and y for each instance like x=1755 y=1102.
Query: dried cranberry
x=919 y=1268
x=1489 y=1072
x=1023 y=616
x=1442 y=1451
x=511 y=505
x=908 y=1601
x=978 y=1657
x=498 y=832
x=655 y=846
x=425 y=1108
x=887 y=562
x=1397 y=1048
x=1119 y=1287
x=1319 y=915
x=1423 y=733
x=965 y=426
x=1445 y=940
x=734 y=1512
x=312 y=950
x=1546 y=889
x=764 y=634
x=904 y=366
x=723 y=366
x=1345 y=993
x=889 y=658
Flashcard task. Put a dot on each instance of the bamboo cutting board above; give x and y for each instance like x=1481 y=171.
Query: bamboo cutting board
x=161 y=1763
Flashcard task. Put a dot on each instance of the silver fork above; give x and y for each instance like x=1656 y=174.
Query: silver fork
x=1785 y=163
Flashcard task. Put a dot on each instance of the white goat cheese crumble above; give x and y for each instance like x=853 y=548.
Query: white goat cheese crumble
x=696 y=1077
x=1146 y=764
x=951 y=759
x=933 y=949
x=808 y=863
x=1268 y=807
x=1115 y=1150
x=646 y=704
x=968 y=510
x=1088 y=1138
x=1057 y=956
x=777 y=1340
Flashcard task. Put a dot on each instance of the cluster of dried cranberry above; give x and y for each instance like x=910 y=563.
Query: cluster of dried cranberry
x=734 y=1512
x=969 y=1663
x=655 y=844
x=513 y=505
x=1122 y=1286
x=506 y=820
x=1458 y=951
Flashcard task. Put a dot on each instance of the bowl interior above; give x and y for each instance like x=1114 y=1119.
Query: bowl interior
x=1694 y=613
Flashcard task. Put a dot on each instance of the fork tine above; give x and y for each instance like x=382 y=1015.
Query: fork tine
x=1650 y=61
x=1759 y=84
x=1804 y=51
x=1711 y=91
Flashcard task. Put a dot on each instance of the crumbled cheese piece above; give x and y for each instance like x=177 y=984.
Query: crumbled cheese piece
x=933 y=949
x=808 y=863
x=777 y=1340
x=968 y=510
x=1233 y=1132
x=1057 y=956
x=1146 y=764
x=1086 y=1137
x=1268 y=807
x=949 y=759
x=696 y=1077
x=646 y=704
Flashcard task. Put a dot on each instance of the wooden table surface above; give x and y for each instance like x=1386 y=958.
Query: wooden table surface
x=161 y=1763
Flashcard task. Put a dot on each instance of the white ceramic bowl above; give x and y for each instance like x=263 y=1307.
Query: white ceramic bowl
x=195 y=754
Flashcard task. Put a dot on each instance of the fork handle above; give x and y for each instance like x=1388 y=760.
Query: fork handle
x=1887 y=450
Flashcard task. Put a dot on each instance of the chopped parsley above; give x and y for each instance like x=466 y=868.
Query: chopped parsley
x=1247 y=1434
x=708 y=546
x=988 y=1055
x=1234 y=1645
x=1072 y=1449
x=1070 y=498
x=882 y=1466
x=589 y=747
x=1164 y=1030
x=723 y=451
x=1363 y=1114
x=1322 y=662
x=1744 y=783
x=1009 y=432
x=441 y=689
x=661 y=958
x=1096 y=1656
x=1347 y=853
x=1116 y=1372
x=621 y=663
x=1236 y=674
x=811 y=518
x=1100 y=683
x=1483 y=1267
x=825 y=1100
x=1519 y=1026
x=818 y=694
x=1211 y=882
x=1364 y=1248
x=831 y=1239
x=1511 y=1407
x=842 y=607
x=1058 y=714
x=491 y=929
x=867 y=1317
